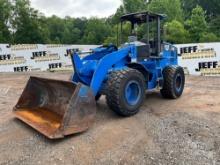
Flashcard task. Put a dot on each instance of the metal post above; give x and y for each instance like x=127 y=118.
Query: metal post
x=148 y=29
x=164 y=33
x=132 y=28
x=121 y=33
x=158 y=36
x=117 y=35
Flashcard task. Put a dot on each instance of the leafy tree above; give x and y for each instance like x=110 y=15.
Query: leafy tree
x=115 y=19
x=176 y=33
x=96 y=31
x=131 y=6
x=188 y=6
x=197 y=24
x=26 y=23
x=43 y=29
x=117 y=36
x=71 y=34
x=214 y=25
x=172 y=8
x=208 y=37
x=114 y=37
x=212 y=7
x=5 y=15
x=80 y=23
x=56 y=29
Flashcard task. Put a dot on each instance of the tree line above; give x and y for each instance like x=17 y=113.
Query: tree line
x=187 y=21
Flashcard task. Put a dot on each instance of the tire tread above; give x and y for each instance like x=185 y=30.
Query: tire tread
x=113 y=94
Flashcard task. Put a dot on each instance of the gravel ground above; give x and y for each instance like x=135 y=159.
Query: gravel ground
x=185 y=131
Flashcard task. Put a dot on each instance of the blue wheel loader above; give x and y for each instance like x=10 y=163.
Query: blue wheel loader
x=123 y=75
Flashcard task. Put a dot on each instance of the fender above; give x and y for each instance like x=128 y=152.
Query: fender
x=104 y=65
x=141 y=68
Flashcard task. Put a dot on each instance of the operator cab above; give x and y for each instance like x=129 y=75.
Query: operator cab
x=150 y=45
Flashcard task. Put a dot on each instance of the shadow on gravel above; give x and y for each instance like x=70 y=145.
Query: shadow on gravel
x=153 y=95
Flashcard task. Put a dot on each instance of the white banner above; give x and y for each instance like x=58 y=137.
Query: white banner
x=28 y=57
x=197 y=59
x=200 y=59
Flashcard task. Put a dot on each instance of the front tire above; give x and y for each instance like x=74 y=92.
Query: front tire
x=174 y=81
x=126 y=91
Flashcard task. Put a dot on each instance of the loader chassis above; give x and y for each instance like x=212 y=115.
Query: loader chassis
x=121 y=74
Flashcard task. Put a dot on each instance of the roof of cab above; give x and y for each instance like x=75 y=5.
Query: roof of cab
x=141 y=17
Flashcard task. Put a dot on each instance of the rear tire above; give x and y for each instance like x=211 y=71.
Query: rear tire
x=125 y=91
x=174 y=81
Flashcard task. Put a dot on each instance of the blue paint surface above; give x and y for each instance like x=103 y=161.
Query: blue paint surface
x=94 y=69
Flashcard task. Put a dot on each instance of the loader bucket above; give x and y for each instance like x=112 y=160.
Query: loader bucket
x=56 y=108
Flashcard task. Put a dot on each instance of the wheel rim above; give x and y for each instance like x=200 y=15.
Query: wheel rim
x=178 y=82
x=132 y=92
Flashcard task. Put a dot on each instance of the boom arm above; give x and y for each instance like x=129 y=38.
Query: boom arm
x=100 y=68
